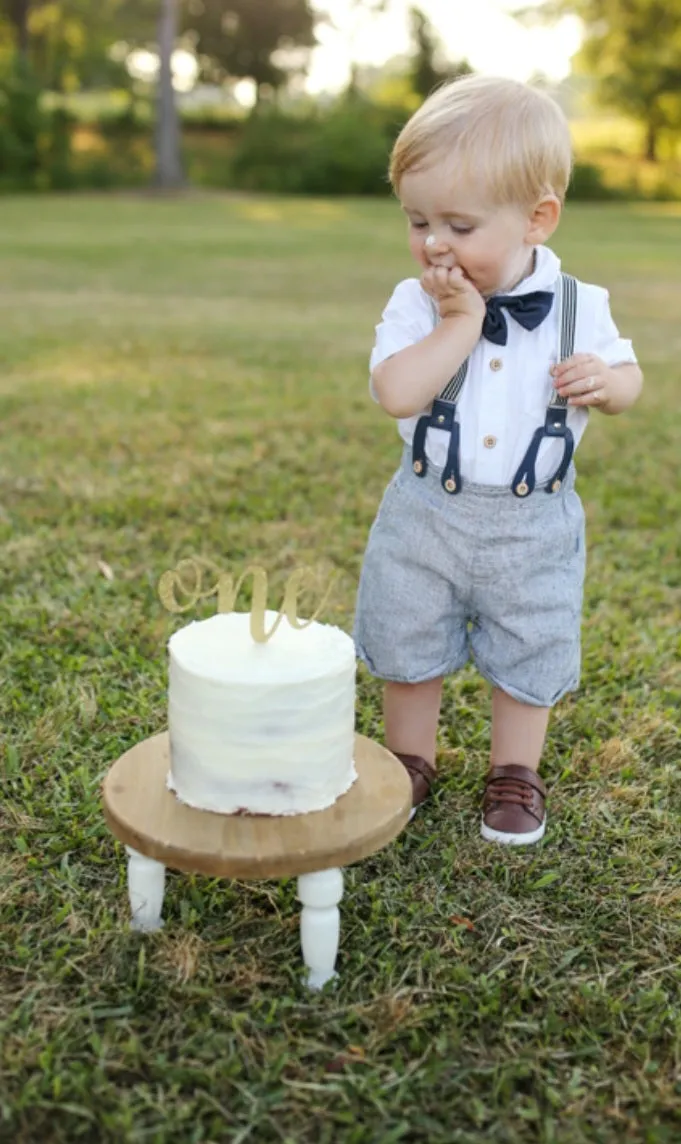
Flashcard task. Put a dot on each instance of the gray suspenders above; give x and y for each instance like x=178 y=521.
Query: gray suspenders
x=443 y=414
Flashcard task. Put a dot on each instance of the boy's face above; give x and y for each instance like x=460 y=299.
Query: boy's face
x=491 y=244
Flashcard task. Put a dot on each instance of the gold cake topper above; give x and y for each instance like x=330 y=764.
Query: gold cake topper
x=226 y=590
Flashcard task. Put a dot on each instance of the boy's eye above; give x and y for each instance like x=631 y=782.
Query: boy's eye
x=456 y=229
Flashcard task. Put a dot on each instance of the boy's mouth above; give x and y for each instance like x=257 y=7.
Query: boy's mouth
x=448 y=267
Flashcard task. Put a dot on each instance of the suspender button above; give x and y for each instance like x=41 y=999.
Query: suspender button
x=450 y=485
x=522 y=489
x=418 y=467
x=555 y=486
x=441 y=419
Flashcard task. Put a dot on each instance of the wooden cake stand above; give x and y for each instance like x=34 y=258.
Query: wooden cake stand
x=160 y=831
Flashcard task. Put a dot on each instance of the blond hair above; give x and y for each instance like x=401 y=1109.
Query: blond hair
x=505 y=135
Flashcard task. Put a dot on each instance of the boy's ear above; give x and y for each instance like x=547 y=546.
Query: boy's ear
x=544 y=219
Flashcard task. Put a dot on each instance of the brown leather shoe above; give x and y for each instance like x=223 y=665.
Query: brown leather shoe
x=513 y=809
x=422 y=775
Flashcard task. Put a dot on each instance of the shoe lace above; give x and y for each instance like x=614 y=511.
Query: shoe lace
x=511 y=790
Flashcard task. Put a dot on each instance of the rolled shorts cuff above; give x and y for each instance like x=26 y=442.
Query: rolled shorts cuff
x=393 y=676
x=532 y=700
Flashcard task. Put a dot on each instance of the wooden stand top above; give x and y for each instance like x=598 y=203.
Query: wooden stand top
x=142 y=813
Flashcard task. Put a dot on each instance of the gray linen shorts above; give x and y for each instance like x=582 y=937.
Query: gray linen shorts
x=481 y=574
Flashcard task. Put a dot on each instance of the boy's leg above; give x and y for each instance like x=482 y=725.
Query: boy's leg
x=514 y=804
x=411 y=712
x=518 y=731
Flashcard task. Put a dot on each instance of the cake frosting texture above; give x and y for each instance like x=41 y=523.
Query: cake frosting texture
x=266 y=728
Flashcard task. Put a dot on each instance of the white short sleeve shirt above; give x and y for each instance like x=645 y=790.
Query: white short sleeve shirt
x=507 y=388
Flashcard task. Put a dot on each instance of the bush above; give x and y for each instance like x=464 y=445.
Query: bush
x=342 y=151
x=270 y=154
x=587 y=185
x=21 y=125
x=56 y=152
x=348 y=155
x=124 y=123
x=35 y=145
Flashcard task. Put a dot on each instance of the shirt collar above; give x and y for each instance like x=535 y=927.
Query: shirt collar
x=544 y=275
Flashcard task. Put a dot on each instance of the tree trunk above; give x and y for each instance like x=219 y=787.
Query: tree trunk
x=19 y=17
x=651 y=142
x=168 y=162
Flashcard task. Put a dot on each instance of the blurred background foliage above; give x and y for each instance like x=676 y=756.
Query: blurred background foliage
x=79 y=104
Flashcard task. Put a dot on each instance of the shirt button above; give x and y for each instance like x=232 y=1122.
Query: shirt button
x=489 y=442
x=496 y=364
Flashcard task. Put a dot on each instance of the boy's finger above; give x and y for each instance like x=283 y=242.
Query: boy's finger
x=593 y=398
x=577 y=372
x=579 y=386
x=586 y=360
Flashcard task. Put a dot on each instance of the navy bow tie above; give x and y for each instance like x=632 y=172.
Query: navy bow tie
x=527 y=309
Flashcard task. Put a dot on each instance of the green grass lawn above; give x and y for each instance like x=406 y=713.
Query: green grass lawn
x=191 y=377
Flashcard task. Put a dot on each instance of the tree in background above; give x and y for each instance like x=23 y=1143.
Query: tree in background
x=429 y=67
x=168 y=157
x=15 y=12
x=359 y=11
x=633 y=49
x=263 y=40
x=67 y=42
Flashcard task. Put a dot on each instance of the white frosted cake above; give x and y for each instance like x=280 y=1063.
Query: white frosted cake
x=263 y=728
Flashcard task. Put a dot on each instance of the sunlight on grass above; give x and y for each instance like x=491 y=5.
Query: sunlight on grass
x=656 y=210
x=260 y=212
x=297 y=211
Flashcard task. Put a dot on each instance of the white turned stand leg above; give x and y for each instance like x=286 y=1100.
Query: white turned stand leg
x=146 y=884
x=320 y=923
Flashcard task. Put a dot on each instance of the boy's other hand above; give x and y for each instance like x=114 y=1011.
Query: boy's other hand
x=585 y=379
x=456 y=296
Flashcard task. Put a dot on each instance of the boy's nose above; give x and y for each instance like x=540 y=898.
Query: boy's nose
x=439 y=251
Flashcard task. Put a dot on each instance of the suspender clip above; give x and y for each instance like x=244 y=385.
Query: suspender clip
x=442 y=416
x=555 y=425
